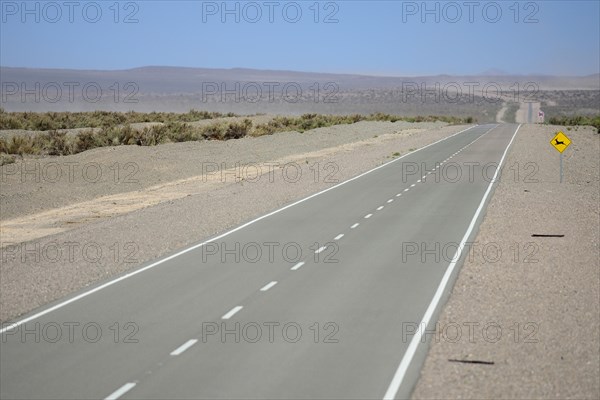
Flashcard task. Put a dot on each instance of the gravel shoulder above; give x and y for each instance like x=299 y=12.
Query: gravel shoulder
x=79 y=231
x=529 y=305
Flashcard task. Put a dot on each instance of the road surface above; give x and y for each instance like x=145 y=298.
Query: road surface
x=528 y=113
x=321 y=299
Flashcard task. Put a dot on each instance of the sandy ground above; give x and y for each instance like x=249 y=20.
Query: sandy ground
x=501 y=112
x=530 y=305
x=84 y=226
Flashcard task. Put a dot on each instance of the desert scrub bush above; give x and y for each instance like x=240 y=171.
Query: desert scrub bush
x=213 y=131
x=277 y=124
x=18 y=145
x=181 y=132
x=6 y=159
x=54 y=143
x=95 y=119
x=44 y=123
x=238 y=130
x=85 y=140
x=576 y=120
x=122 y=135
x=113 y=129
x=152 y=136
x=9 y=122
x=312 y=121
x=114 y=136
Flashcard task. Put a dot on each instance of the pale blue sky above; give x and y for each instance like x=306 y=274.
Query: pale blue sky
x=371 y=37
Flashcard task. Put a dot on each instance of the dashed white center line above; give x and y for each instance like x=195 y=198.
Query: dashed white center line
x=295 y=267
x=419 y=181
x=379 y=208
x=338 y=237
x=368 y=216
x=184 y=347
x=390 y=200
x=121 y=391
x=399 y=194
x=355 y=225
x=232 y=312
x=268 y=286
x=406 y=190
x=320 y=249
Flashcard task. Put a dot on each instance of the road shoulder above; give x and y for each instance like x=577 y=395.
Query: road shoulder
x=523 y=318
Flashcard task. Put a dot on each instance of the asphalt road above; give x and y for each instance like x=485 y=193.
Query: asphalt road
x=321 y=299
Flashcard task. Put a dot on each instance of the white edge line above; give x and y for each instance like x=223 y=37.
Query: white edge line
x=232 y=312
x=414 y=343
x=120 y=391
x=268 y=286
x=184 y=347
x=295 y=267
x=320 y=249
x=154 y=264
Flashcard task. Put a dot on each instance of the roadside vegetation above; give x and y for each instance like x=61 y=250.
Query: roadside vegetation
x=113 y=129
x=577 y=120
x=95 y=119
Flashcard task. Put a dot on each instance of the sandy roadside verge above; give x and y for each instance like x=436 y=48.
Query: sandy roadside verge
x=529 y=305
x=50 y=267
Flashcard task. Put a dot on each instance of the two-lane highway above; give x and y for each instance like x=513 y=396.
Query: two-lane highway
x=323 y=298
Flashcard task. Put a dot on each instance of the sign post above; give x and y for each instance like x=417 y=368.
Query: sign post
x=560 y=142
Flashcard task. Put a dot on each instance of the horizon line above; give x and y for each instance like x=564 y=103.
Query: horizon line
x=362 y=74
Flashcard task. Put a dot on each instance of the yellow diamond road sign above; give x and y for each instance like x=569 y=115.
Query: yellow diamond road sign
x=560 y=142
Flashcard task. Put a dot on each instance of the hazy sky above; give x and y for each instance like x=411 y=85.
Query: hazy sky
x=373 y=37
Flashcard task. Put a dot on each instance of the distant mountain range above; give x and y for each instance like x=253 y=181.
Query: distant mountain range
x=172 y=80
x=249 y=91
